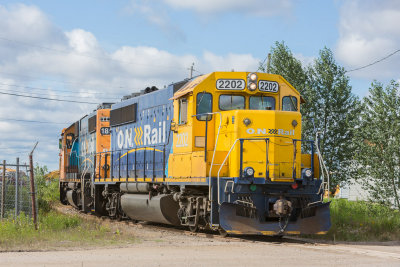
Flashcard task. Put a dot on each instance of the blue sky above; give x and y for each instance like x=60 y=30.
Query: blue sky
x=98 y=50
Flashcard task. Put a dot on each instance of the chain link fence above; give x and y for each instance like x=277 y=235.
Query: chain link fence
x=15 y=192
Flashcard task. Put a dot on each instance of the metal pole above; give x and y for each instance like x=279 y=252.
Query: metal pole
x=16 y=189
x=32 y=178
x=269 y=63
x=3 y=189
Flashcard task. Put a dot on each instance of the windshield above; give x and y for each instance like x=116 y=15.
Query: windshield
x=230 y=102
x=262 y=103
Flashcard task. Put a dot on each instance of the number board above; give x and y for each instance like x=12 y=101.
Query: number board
x=230 y=84
x=268 y=86
x=105 y=130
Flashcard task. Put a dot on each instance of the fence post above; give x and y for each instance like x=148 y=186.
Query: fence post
x=33 y=198
x=16 y=181
x=3 y=190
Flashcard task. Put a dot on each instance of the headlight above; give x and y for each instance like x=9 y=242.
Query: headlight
x=253 y=76
x=307 y=173
x=252 y=86
x=249 y=172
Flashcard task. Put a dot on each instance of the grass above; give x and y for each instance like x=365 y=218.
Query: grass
x=362 y=221
x=57 y=231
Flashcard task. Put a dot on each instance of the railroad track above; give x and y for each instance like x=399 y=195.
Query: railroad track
x=150 y=226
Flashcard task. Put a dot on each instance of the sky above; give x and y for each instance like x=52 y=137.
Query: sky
x=97 y=51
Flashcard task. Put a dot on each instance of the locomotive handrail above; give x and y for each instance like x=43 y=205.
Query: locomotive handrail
x=227 y=155
x=215 y=148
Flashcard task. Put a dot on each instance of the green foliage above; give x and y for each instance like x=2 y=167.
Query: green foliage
x=47 y=190
x=56 y=230
x=285 y=64
x=330 y=108
x=377 y=141
x=363 y=221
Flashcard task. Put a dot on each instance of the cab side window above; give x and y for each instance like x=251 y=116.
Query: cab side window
x=289 y=103
x=203 y=105
x=182 y=111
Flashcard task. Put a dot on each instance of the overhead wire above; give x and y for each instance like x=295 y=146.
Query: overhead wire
x=375 y=62
x=86 y=55
x=52 y=80
x=44 y=89
x=34 y=121
x=47 y=98
x=54 y=95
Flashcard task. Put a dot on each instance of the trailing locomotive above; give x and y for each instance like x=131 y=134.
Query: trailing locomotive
x=220 y=151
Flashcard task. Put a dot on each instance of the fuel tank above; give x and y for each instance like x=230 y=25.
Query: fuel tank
x=161 y=208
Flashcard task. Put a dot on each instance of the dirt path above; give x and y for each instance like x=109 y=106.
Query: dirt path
x=164 y=246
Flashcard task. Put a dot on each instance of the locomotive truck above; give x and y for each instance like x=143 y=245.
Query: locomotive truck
x=221 y=151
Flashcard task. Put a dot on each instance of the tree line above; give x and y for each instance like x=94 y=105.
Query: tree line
x=359 y=137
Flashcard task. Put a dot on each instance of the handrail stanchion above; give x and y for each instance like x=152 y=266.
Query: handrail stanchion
x=163 y=174
x=119 y=165
x=135 y=166
x=154 y=164
x=127 y=164
x=241 y=158
x=144 y=164
x=267 y=158
x=294 y=158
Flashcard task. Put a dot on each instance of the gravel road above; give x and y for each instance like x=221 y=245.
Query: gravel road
x=164 y=246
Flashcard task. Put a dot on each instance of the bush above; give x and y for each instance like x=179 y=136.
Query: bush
x=47 y=190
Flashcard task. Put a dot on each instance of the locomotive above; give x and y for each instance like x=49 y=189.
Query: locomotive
x=221 y=151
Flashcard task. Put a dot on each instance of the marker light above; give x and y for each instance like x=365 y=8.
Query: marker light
x=308 y=173
x=253 y=77
x=252 y=86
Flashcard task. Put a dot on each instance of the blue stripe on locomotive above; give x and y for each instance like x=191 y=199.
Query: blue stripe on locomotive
x=147 y=142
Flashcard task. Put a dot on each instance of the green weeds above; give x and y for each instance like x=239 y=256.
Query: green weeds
x=363 y=221
x=56 y=231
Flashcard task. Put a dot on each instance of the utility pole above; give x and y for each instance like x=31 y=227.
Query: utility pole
x=191 y=70
x=3 y=190
x=269 y=63
x=32 y=178
x=17 y=189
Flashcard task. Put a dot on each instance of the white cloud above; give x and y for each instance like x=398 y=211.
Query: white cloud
x=249 y=7
x=369 y=31
x=156 y=15
x=305 y=60
x=44 y=55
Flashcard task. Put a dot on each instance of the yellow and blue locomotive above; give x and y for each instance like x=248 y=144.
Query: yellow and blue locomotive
x=220 y=151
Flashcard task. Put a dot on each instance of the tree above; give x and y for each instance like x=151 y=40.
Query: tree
x=285 y=64
x=377 y=140
x=332 y=109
